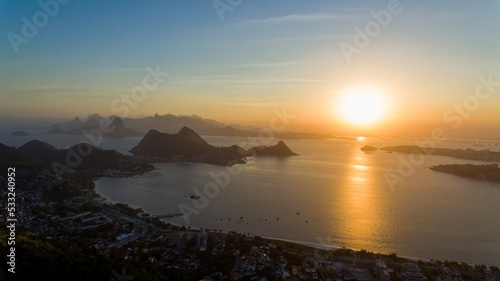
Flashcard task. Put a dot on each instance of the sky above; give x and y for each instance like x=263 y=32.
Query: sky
x=238 y=61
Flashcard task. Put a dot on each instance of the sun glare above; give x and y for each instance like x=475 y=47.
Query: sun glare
x=362 y=107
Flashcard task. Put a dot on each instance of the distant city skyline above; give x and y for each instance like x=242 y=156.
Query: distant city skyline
x=432 y=64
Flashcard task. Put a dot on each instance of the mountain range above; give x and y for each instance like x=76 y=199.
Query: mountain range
x=186 y=145
x=127 y=127
x=114 y=130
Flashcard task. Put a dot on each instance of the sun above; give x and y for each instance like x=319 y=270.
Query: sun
x=363 y=107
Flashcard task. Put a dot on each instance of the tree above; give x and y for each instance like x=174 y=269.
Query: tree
x=495 y=269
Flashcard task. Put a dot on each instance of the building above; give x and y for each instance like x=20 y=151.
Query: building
x=382 y=271
x=411 y=272
x=202 y=240
x=281 y=263
x=450 y=274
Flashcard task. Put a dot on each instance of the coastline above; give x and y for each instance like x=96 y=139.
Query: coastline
x=285 y=240
x=316 y=246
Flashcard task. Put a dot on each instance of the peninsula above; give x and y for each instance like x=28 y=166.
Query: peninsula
x=470 y=154
x=484 y=172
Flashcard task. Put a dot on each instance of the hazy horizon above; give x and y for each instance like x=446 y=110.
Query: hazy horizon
x=423 y=62
x=8 y=126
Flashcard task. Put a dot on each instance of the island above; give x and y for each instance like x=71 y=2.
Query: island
x=489 y=172
x=368 y=148
x=470 y=154
x=188 y=146
x=278 y=150
x=19 y=134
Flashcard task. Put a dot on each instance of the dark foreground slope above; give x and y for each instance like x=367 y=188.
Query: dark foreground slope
x=78 y=157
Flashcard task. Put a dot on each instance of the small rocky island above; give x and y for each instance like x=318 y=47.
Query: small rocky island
x=484 y=172
x=368 y=148
x=278 y=150
x=188 y=146
x=19 y=134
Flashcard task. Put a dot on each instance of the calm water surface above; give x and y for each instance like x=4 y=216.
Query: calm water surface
x=340 y=192
x=343 y=199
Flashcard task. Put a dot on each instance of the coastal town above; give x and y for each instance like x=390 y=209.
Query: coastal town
x=65 y=209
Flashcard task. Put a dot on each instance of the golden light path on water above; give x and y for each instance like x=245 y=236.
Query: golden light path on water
x=369 y=223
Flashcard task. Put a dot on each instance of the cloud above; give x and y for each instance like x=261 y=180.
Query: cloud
x=242 y=80
x=295 y=18
x=294 y=39
x=121 y=70
x=272 y=64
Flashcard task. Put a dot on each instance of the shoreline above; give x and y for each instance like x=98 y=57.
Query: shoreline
x=314 y=245
x=292 y=241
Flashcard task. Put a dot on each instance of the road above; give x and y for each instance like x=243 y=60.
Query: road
x=140 y=227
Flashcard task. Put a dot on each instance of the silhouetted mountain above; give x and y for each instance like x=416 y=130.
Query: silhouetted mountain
x=56 y=129
x=187 y=143
x=93 y=123
x=90 y=124
x=120 y=131
x=19 y=134
x=40 y=153
x=280 y=150
x=73 y=124
x=208 y=121
x=186 y=146
x=10 y=157
x=171 y=124
x=96 y=117
x=248 y=128
x=99 y=159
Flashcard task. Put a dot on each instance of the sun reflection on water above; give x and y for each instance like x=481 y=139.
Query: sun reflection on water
x=367 y=223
